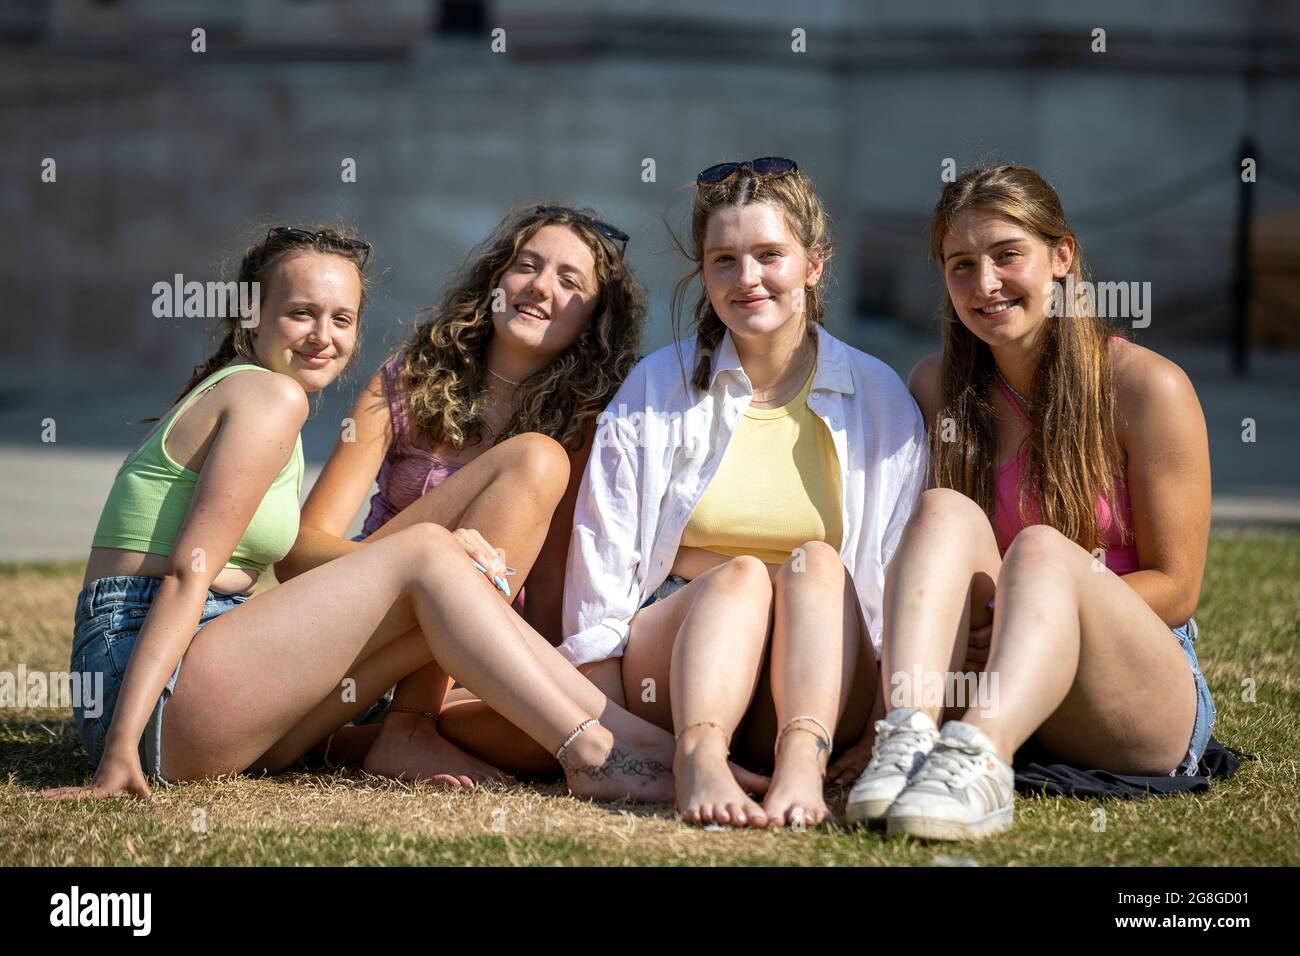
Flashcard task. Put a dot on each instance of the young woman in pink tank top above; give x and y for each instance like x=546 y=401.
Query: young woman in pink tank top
x=1059 y=558
x=482 y=422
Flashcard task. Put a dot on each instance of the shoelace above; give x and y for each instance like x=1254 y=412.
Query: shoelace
x=951 y=765
x=897 y=746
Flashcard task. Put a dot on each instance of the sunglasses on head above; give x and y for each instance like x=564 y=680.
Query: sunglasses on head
x=765 y=167
x=612 y=233
x=338 y=242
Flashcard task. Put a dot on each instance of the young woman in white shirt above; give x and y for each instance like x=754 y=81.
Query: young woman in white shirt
x=745 y=494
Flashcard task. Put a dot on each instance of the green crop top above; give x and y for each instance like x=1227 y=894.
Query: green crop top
x=151 y=497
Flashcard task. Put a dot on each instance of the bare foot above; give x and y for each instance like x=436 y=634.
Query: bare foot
x=346 y=747
x=654 y=743
x=796 y=794
x=601 y=766
x=409 y=747
x=707 y=790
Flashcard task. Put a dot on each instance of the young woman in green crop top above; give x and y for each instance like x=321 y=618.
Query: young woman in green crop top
x=210 y=500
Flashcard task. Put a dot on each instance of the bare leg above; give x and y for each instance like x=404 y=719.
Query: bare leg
x=940 y=580
x=1083 y=662
x=817 y=647
x=507 y=494
x=704 y=645
x=257 y=670
x=515 y=487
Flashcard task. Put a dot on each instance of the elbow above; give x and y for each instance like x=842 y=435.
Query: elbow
x=1181 y=612
x=287 y=567
x=1181 y=604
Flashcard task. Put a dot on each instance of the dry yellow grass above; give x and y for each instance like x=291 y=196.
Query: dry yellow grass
x=1249 y=614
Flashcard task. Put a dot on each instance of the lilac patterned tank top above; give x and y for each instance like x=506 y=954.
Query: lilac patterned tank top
x=408 y=470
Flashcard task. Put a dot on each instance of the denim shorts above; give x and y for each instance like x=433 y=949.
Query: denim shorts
x=110 y=613
x=1204 y=723
x=673 y=583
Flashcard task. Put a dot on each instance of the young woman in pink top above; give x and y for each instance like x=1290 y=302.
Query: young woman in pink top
x=1060 y=555
x=482 y=422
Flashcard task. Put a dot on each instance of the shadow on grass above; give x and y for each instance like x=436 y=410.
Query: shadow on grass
x=39 y=753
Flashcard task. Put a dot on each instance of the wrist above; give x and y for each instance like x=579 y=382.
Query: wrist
x=116 y=748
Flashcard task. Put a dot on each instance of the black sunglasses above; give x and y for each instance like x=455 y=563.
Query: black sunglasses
x=612 y=233
x=765 y=167
x=339 y=242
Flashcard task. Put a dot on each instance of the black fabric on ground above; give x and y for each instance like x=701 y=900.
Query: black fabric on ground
x=1035 y=776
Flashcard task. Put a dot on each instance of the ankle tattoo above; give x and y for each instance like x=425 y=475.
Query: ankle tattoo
x=620 y=763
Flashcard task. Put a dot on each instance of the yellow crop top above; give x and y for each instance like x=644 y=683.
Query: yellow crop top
x=778 y=486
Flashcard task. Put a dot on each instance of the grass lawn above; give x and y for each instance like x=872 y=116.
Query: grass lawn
x=1249 y=629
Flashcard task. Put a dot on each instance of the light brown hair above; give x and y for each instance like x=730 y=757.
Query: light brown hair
x=1073 y=453
x=258 y=264
x=796 y=200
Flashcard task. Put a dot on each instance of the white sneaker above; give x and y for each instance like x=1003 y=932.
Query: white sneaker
x=902 y=741
x=964 y=790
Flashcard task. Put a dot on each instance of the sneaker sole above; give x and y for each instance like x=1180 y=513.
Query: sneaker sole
x=868 y=812
x=933 y=828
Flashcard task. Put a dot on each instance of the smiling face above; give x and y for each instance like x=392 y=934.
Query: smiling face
x=551 y=291
x=999 y=276
x=754 y=270
x=308 y=322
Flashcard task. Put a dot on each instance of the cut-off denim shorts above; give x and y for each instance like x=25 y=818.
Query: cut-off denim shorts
x=1186 y=636
x=110 y=614
x=1204 y=723
x=672 y=584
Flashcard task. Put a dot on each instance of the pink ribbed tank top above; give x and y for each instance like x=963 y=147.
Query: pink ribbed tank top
x=408 y=470
x=1120 y=558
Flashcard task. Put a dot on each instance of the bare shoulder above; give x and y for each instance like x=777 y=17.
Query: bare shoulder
x=923 y=383
x=274 y=398
x=1144 y=378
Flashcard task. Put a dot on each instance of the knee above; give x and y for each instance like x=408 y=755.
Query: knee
x=812 y=561
x=948 y=509
x=539 y=462
x=1040 y=547
x=743 y=576
x=425 y=541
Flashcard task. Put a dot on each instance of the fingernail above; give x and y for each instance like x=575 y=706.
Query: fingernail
x=480 y=568
x=501 y=583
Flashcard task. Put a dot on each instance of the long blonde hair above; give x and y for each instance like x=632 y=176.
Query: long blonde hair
x=443 y=363
x=796 y=200
x=1073 y=452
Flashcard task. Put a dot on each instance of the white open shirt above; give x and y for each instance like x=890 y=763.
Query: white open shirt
x=659 y=444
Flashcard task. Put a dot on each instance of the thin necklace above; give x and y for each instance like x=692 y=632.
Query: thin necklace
x=508 y=381
x=803 y=371
x=1023 y=401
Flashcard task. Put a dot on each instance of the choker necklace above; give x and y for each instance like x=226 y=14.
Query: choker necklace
x=508 y=381
x=1023 y=401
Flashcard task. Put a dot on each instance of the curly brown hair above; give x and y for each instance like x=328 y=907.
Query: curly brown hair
x=443 y=363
